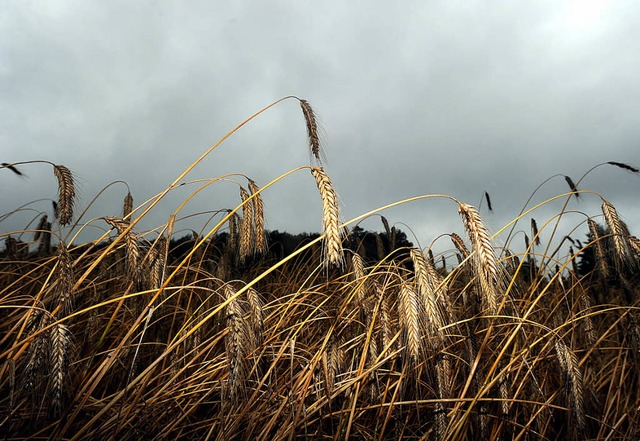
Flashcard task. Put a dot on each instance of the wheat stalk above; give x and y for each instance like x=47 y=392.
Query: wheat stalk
x=330 y=218
x=66 y=194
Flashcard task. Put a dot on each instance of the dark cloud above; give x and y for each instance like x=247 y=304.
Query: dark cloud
x=414 y=98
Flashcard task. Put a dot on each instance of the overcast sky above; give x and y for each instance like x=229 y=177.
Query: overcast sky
x=413 y=97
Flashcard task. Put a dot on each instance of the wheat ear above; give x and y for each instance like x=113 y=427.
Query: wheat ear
x=573 y=377
x=622 y=257
x=246 y=226
x=433 y=305
x=485 y=259
x=312 y=130
x=330 y=218
x=409 y=312
x=60 y=339
x=64 y=281
x=66 y=194
x=258 y=218
x=127 y=206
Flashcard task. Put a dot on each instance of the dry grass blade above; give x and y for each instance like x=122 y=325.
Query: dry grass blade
x=330 y=218
x=66 y=194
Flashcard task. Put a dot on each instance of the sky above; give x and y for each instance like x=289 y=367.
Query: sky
x=413 y=98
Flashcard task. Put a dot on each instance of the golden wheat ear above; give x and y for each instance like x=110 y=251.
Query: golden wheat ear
x=485 y=259
x=330 y=218
x=312 y=131
x=246 y=226
x=127 y=206
x=258 y=219
x=66 y=194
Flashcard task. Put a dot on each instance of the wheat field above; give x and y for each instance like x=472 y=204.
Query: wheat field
x=131 y=336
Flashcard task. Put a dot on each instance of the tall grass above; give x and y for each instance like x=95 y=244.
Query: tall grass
x=124 y=338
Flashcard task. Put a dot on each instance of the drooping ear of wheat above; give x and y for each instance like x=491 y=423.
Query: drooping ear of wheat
x=246 y=226
x=233 y=239
x=488 y=199
x=44 y=244
x=127 y=207
x=534 y=232
x=359 y=279
x=12 y=168
x=312 y=131
x=485 y=259
x=574 y=383
x=433 y=302
x=132 y=247
x=623 y=258
x=330 y=218
x=61 y=343
x=237 y=343
x=35 y=367
x=572 y=186
x=409 y=316
x=157 y=262
x=42 y=224
x=624 y=166
x=258 y=219
x=66 y=194
x=64 y=280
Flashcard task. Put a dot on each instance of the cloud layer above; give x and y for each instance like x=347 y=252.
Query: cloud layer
x=413 y=98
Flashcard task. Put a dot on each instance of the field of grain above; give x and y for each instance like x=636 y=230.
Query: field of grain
x=130 y=336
